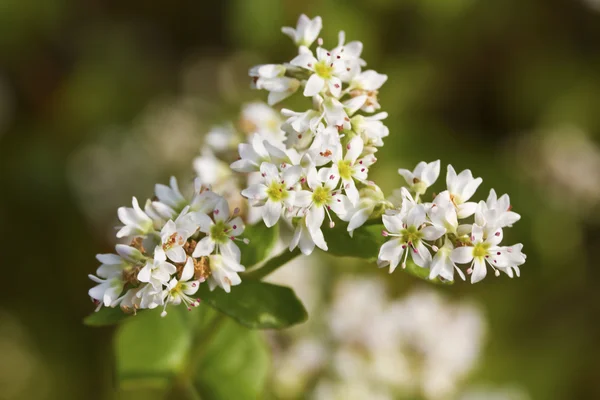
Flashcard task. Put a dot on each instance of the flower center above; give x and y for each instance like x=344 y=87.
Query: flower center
x=323 y=70
x=277 y=192
x=411 y=235
x=321 y=196
x=480 y=250
x=345 y=169
x=218 y=232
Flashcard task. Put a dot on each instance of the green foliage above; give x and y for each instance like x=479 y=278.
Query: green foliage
x=262 y=241
x=365 y=244
x=195 y=354
x=106 y=316
x=257 y=305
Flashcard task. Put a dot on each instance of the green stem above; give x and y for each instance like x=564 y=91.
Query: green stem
x=274 y=263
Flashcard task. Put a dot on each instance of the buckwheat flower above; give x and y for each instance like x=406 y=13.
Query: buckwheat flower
x=275 y=193
x=301 y=122
x=482 y=250
x=306 y=239
x=442 y=264
x=322 y=197
x=271 y=77
x=371 y=129
x=170 y=195
x=220 y=233
x=150 y=296
x=174 y=236
x=325 y=143
x=442 y=213
x=156 y=272
x=136 y=222
x=115 y=264
x=509 y=259
x=424 y=175
x=367 y=84
x=461 y=188
x=179 y=291
x=108 y=290
x=348 y=168
x=224 y=272
x=306 y=32
x=408 y=233
x=371 y=198
x=335 y=114
x=350 y=55
x=496 y=212
x=259 y=118
x=257 y=151
x=203 y=200
x=325 y=69
x=214 y=172
x=222 y=138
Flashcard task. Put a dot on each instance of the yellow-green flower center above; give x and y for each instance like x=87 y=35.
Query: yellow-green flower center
x=321 y=196
x=277 y=192
x=218 y=232
x=345 y=169
x=411 y=235
x=323 y=70
x=480 y=250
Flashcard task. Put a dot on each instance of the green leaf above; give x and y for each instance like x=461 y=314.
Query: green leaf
x=262 y=241
x=234 y=365
x=365 y=244
x=106 y=316
x=257 y=305
x=189 y=355
x=151 y=348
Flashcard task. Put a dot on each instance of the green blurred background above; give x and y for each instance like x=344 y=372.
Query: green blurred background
x=101 y=99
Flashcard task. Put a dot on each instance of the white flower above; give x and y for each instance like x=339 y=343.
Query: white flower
x=156 y=272
x=257 y=151
x=222 y=138
x=170 y=195
x=367 y=84
x=408 y=232
x=271 y=77
x=325 y=143
x=442 y=213
x=174 y=236
x=348 y=168
x=136 y=222
x=107 y=291
x=509 y=259
x=259 y=118
x=442 y=264
x=482 y=249
x=204 y=200
x=371 y=197
x=306 y=32
x=496 y=212
x=275 y=193
x=461 y=188
x=306 y=238
x=220 y=233
x=350 y=55
x=322 y=198
x=335 y=114
x=224 y=272
x=325 y=69
x=371 y=128
x=179 y=291
x=424 y=175
x=149 y=296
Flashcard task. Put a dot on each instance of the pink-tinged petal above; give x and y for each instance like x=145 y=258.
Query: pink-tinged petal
x=221 y=212
x=421 y=256
x=462 y=255
x=479 y=270
x=204 y=247
x=314 y=85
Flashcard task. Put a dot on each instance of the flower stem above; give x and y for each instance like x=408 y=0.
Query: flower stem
x=274 y=263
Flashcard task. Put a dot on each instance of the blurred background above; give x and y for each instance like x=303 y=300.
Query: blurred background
x=99 y=100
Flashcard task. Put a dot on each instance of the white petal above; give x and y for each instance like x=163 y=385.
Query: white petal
x=314 y=85
x=421 y=256
x=462 y=255
x=271 y=212
x=204 y=247
x=433 y=232
x=315 y=217
x=479 y=270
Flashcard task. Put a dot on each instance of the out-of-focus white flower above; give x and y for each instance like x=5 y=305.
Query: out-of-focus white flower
x=306 y=32
x=271 y=77
x=259 y=118
x=257 y=151
x=221 y=138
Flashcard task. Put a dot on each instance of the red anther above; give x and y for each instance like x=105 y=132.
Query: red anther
x=235 y=227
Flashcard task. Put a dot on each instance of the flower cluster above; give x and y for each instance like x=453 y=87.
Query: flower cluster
x=320 y=166
x=416 y=227
x=176 y=244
